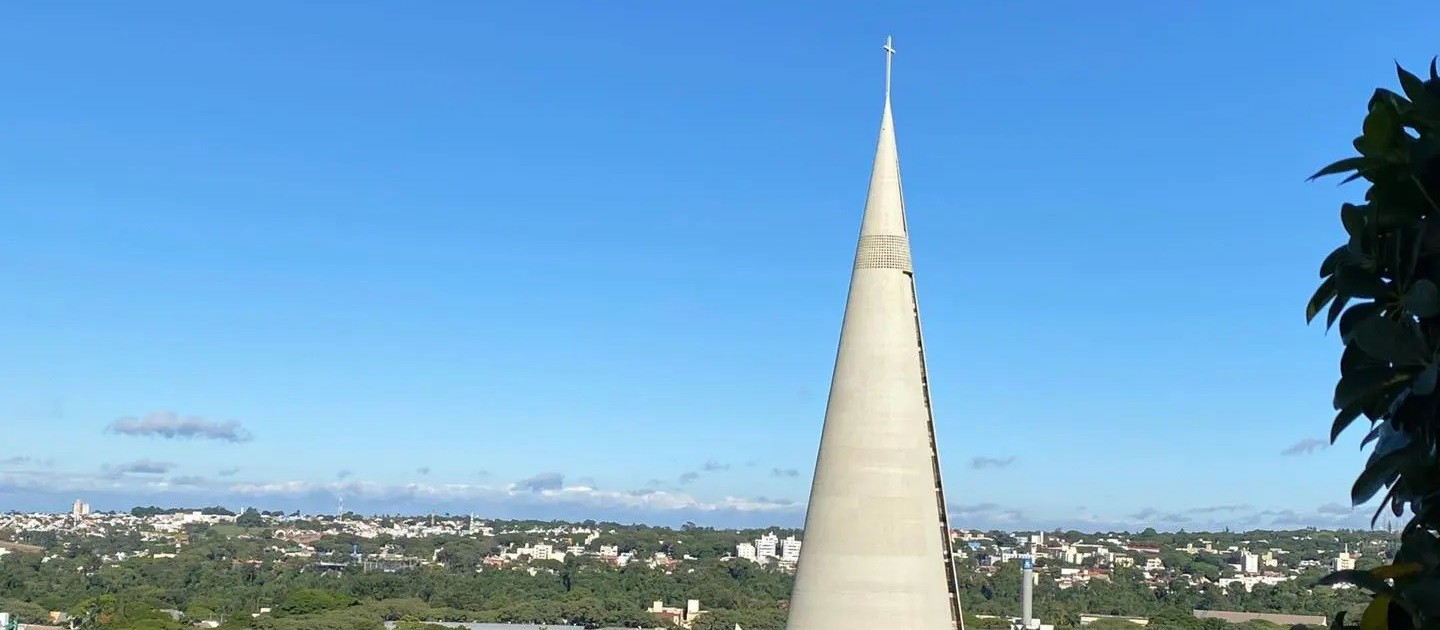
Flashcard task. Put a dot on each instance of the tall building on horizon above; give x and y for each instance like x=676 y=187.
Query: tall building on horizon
x=877 y=548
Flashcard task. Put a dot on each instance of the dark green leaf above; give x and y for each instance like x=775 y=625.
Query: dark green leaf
x=1339 y=623
x=1382 y=96
x=1354 y=176
x=1336 y=307
x=1415 y=89
x=1417 y=240
x=1422 y=152
x=1346 y=416
x=1425 y=596
x=1433 y=75
x=1369 y=437
x=1404 y=199
x=1424 y=383
x=1390 y=396
x=1357 y=577
x=1356 y=315
x=1398 y=494
x=1363 y=147
x=1352 y=217
x=1391 y=440
x=1423 y=298
x=1343 y=166
x=1359 y=386
x=1420 y=545
x=1383 y=503
x=1389 y=340
x=1386 y=216
x=1323 y=295
x=1327 y=267
x=1381 y=126
x=1352 y=281
x=1355 y=359
x=1378 y=473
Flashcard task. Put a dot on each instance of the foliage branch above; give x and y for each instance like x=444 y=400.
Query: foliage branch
x=1381 y=288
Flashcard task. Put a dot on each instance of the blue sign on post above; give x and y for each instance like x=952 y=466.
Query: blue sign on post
x=1026 y=563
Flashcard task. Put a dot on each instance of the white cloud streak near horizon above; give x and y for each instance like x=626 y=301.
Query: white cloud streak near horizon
x=548 y=494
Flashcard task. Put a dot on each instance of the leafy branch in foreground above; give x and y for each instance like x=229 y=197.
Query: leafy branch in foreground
x=1382 y=288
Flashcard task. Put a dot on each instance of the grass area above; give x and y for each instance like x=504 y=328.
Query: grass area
x=20 y=547
x=231 y=531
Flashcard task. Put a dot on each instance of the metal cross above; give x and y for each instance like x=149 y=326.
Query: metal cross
x=889 y=55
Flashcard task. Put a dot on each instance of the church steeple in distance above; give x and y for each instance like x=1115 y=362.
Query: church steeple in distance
x=877 y=552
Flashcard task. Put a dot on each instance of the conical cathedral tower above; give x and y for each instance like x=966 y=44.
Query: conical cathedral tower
x=877 y=550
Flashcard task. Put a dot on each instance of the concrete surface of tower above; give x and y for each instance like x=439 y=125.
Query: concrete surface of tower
x=877 y=552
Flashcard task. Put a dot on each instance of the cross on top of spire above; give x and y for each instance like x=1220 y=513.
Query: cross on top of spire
x=889 y=55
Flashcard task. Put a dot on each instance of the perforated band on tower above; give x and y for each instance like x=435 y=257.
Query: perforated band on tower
x=883 y=251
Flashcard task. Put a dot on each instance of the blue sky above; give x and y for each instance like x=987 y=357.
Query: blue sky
x=428 y=257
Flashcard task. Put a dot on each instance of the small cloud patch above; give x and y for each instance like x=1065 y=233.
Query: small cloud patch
x=540 y=483
x=171 y=426
x=980 y=463
x=1304 y=447
x=141 y=467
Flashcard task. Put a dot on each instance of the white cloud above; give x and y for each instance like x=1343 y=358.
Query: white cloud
x=540 y=482
x=140 y=467
x=984 y=516
x=979 y=463
x=1152 y=515
x=552 y=496
x=1304 y=447
x=169 y=425
x=544 y=489
x=25 y=461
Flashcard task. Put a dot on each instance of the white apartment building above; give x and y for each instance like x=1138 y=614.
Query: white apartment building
x=790 y=549
x=746 y=550
x=766 y=546
x=1249 y=563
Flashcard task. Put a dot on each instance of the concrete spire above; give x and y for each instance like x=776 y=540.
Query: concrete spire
x=877 y=549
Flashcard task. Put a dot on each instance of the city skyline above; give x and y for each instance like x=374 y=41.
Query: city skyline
x=282 y=264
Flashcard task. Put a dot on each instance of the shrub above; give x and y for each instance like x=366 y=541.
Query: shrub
x=1382 y=288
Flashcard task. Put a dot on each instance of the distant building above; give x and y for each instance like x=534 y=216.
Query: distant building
x=746 y=551
x=682 y=617
x=770 y=547
x=766 y=546
x=1249 y=563
x=1344 y=561
x=79 y=508
x=789 y=549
